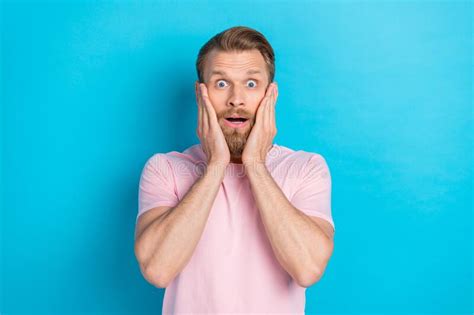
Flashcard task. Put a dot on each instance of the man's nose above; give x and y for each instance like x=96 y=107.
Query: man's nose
x=236 y=97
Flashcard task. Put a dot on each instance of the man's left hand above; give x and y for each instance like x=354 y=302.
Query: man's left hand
x=263 y=132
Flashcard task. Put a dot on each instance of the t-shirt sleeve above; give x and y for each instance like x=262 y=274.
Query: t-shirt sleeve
x=156 y=187
x=313 y=194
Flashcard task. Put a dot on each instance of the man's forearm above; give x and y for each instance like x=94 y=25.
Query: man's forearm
x=173 y=238
x=299 y=244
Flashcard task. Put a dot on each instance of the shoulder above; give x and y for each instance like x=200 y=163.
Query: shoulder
x=190 y=154
x=301 y=158
x=175 y=163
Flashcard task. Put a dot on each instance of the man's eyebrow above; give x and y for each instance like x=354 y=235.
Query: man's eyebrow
x=219 y=72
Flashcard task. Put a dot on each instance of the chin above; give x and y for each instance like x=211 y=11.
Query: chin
x=236 y=144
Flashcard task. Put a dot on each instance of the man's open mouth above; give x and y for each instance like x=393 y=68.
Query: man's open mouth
x=236 y=120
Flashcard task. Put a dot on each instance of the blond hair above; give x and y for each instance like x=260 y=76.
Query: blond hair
x=237 y=38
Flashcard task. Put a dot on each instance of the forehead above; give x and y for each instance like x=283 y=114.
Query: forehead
x=234 y=62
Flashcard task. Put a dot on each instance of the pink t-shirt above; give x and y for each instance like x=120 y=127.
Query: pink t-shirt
x=233 y=268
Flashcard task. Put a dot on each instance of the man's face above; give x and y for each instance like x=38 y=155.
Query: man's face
x=236 y=83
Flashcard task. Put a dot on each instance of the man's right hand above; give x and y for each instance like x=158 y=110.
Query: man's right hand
x=209 y=131
x=166 y=239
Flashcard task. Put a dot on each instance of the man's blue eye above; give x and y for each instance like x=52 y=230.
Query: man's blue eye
x=253 y=83
x=220 y=85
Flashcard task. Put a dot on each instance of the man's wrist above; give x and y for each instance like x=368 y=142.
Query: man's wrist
x=255 y=166
x=216 y=168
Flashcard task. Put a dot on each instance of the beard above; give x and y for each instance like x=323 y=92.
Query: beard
x=236 y=138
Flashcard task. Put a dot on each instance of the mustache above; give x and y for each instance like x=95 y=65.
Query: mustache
x=237 y=113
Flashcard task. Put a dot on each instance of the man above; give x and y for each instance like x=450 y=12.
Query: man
x=237 y=223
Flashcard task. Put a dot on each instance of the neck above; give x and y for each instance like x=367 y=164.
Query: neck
x=236 y=159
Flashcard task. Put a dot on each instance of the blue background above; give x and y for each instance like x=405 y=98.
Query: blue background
x=383 y=90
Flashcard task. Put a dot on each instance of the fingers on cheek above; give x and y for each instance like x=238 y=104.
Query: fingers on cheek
x=268 y=113
x=212 y=115
x=271 y=112
x=261 y=111
x=199 y=119
x=205 y=119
